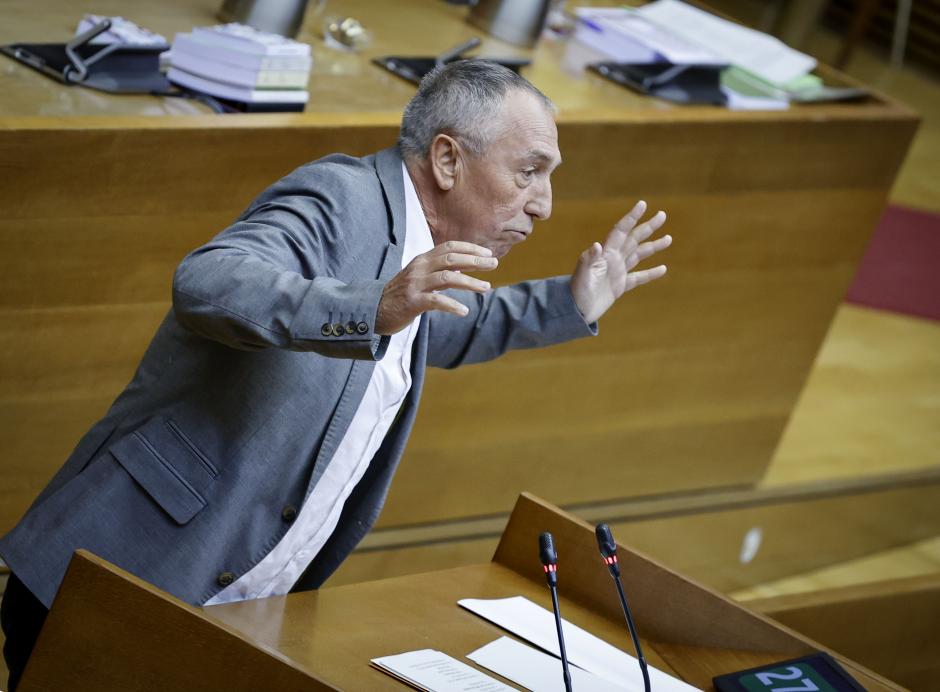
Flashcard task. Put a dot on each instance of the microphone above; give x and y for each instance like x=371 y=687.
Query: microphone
x=608 y=547
x=549 y=560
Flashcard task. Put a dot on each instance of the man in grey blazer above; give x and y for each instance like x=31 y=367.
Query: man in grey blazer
x=255 y=445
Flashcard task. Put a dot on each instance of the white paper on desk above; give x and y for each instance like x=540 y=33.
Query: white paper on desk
x=764 y=55
x=435 y=671
x=536 y=625
x=626 y=36
x=536 y=670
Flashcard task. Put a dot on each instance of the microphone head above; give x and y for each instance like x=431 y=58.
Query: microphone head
x=605 y=540
x=547 y=549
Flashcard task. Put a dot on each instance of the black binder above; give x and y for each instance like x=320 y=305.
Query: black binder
x=693 y=84
x=110 y=67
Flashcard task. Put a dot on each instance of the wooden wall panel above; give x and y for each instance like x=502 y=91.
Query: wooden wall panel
x=892 y=627
x=794 y=530
x=689 y=385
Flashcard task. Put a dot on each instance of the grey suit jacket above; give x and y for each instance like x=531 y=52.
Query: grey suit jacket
x=236 y=409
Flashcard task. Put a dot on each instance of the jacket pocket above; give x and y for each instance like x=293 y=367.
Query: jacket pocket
x=167 y=466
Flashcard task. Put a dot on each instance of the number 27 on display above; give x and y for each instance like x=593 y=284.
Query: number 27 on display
x=770 y=680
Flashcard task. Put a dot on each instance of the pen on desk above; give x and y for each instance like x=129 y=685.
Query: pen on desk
x=456 y=51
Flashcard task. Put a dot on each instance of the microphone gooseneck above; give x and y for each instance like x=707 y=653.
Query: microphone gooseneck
x=608 y=548
x=549 y=560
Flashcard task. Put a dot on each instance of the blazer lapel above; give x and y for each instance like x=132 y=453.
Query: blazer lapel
x=388 y=167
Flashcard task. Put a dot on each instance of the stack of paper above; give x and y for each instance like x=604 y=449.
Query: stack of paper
x=536 y=625
x=765 y=56
x=767 y=74
x=238 y=63
x=122 y=31
x=434 y=671
x=626 y=36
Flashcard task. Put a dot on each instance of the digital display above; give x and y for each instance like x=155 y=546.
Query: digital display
x=815 y=673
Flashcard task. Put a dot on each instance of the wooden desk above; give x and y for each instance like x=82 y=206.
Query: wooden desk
x=690 y=384
x=135 y=637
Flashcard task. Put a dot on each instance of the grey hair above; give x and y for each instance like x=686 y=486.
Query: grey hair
x=459 y=99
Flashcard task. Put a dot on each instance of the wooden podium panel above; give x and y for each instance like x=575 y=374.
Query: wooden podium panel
x=891 y=626
x=140 y=638
x=689 y=385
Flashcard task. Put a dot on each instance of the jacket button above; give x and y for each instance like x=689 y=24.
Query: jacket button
x=350 y=327
x=326 y=329
x=289 y=513
x=362 y=328
x=225 y=578
x=338 y=329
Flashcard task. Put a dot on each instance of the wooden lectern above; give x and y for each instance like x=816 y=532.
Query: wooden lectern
x=108 y=630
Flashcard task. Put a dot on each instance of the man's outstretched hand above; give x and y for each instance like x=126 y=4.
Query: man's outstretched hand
x=604 y=272
x=411 y=292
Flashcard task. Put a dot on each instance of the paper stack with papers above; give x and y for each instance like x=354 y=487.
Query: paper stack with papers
x=536 y=625
x=671 y=31
x=241 y=64
x=435 y=671
x=122 y=31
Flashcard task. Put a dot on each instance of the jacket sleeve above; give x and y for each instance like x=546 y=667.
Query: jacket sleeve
x=525 y=315
x=266 y=281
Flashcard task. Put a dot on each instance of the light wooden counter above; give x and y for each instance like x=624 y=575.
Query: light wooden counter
x=689 y=385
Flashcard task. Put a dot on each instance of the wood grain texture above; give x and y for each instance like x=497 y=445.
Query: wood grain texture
x=108 y=631
x=700 y=634
x=690 y=384
x=892 y=626
x=799 y=530
x=134 y=637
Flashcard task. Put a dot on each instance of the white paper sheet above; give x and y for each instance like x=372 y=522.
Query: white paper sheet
x=536 y=625
x=764 y=55
x=435 y=671
x=537 y=671
x=627 y=36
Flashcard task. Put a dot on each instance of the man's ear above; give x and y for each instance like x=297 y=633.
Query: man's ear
x=446 y=160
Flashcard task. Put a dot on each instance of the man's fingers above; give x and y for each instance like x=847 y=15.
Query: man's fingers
x=621 y=230
x=461 y=261
x=448 y=278
x=645 y=230
x=651 y=248
x=460 y=246
x=630 y=219
x=592 y=254
x=438 y=301
x=644 y=277
x=626 y=235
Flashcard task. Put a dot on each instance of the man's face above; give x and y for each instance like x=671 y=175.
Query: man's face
x=499 y=195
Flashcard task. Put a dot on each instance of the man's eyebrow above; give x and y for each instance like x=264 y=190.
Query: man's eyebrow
x=541 y=156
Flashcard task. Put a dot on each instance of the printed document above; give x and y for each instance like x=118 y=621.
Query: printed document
x=536 y=625
x=435 y=671
x=535 y=670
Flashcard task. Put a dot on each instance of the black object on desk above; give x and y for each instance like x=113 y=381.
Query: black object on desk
x=816 y=672
x=110 y=67
x=693 y=84
x=412 y=69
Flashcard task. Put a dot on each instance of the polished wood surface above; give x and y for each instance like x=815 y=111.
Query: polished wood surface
x=108 y=631
x=688 y=631
x=892 y=626
x=690 y=385
x=728 y=540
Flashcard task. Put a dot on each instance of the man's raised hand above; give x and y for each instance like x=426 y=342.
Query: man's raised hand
x=604 y=272
x=411 y=292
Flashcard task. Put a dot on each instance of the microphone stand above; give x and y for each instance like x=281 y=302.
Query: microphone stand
x=550 y=565
x=608 y=548
x=633 y=634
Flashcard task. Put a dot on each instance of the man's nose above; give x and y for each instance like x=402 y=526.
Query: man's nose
x=540 y=204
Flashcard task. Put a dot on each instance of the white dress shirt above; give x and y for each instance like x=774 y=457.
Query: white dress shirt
x=390 y=382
